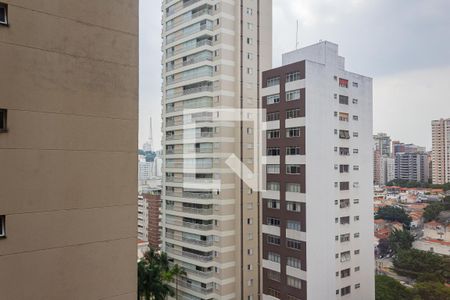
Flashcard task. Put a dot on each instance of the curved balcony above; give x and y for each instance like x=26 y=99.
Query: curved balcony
x=202 y=258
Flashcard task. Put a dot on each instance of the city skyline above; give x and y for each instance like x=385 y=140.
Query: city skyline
x=403 y=77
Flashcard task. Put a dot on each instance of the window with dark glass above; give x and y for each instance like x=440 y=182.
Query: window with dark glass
x=3 y=14
x=344 y=134
x=293 y=113
x=273 y=151
x=2 y=226
x=344 y=186
x=292 y=150
x=293 y=244
x=343 y=99
x=345 y=291
x=273 y=116
x=293 y=76
x=3 y=123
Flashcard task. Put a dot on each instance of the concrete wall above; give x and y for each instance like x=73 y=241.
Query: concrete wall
x=68 y=162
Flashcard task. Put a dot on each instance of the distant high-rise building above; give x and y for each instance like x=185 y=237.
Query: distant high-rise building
x=383 y=142
x=412 y=167
x=398 y=147
x=377 y=167
x=213 y=55
x=387 y=169
x=441 y=150
x=148 y=146
x=68 y=136
x=317 y=212
x=149 y=216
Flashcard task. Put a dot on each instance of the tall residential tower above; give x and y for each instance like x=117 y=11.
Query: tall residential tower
x=68 y=136
x=213 y=54
x=441 y=151
x=317 y=212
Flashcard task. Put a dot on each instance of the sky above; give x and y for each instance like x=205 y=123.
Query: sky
x=404 y=45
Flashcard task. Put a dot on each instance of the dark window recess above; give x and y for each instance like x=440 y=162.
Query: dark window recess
x=345 y=273
x=343 y=99
x=345 y=291
x=3 y=119
x=344 y=186
x=344 y=134
x=344 y=168
x=3 y=14
x=2 y=227
x=344 y=151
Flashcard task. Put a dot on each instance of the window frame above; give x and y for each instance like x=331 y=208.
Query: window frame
x=2 y=226
x=3 y=120
x=4 y=7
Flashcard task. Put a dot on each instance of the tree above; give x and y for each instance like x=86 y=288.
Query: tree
x=400 y=240
x=384 y=247
x=394 y=213
x=177 y=271
x=154 y=276
x=387 y=288
x=431 y=291
x=432 y=211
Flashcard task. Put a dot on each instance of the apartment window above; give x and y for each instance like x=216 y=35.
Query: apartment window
x=343 y=99
x=355 y=134
x=273 y=222
x=249 y=41
x=343 y=83
x=357 y=269
x=3 y=120
x=273 y=151
x=345 y=291
x=355 y=84
x=344 y=203
x=249 y=221
x=294 y=262
x=249 y=71
x=344 y=168
x=356 y=184
x=357 y=286
x=3 y=14
x=249 y=130
x=250 y=251
x=250 y=282
x=293 y=206
x=356 y=235
x=273 y=134
x=273 y=116
x=273 y=204
x=344 y=186
x=272 y=99
x=293 y=76
x=345 y=273
x=249 y=26
x=273 y=81
x=275 y=276
x=356 y=218
x=293 y=113
x=273 y=169
x=355 y=168
x=2 y=226
x=293 y=132
x=344 y=134
x=355 y=101
x=293 y=169
x=343 y=117
x=345 y=220
x=249 y=11
x=272 y=256
x=355 y=151
x=273 y=186
x=273 y=292
x=293 y=187
x=356 y=252
x=344 y=151
x=293 y=95
x=250 y=236
x=345 y=256
x=293 y=225
x=273 y=240
x=355 y=118
x=294 y=282
x=292 y=150
x=345 y=238
x=293 y=244
x=249 y=56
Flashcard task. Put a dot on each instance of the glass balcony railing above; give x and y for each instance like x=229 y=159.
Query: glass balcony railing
x=193 y=29
x=179 y=6
x=187 y=47
x=202 y=258
x=187 y=17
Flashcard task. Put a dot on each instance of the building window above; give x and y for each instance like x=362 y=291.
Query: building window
x=275 y=276
x=249 y=221
x=273 y=186
x=357 y=286
x=294 y=262
x=273 y=151
x=249 y=41
x=355 y=134
x=250 y=56
x=273 y=240
x=345 y=256
x=355 y=84
x=344 y=151
x=345 y=237
x=344 y=134
x=357 y=269
x=294 y=282
x=273 y=116
x=293 y=76
x=344 y=203
x=343 y=99
x=275 y=257
x=345 y=273
x=273 y=81
x=273 y=204
x=293 y=187
x=273 y=134
x=272 y=99
x=293 y=225
x=356 y=235
x=293 y=206
x=273 y=292
x=249 y=11
x=343 y=83
x=345 y=220
x=293 y=95
x=355 y=118
x=3 y=14
x=345 y=291
x=293 y=169
x=273 y=222
x=249 y=71
x=356 y=252
x=355 y=151
x=344 y=168
x=293 y=244
x=249 y=26
x=273 y=169
x=2 y=226
x=293 y=113
x=344 y=186
x=355 y=168
x=355 y=101
x=292 y=150
x=293 y=132
x=3 y=120
x=356 y=218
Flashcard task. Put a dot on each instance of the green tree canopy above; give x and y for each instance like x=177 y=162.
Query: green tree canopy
x=432 y=211
x=387 y=288
x=431 y=291
x=394 y=213
x=400 y=240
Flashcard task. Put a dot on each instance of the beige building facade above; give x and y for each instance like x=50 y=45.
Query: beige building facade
x=213 y=55
x=441 y=151
x=68 y=143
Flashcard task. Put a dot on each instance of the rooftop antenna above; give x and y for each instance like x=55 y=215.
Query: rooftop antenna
x=296 y=38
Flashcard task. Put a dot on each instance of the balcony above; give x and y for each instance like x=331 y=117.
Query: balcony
x=180 y=238
x=190 y=91
x=187 y=17
x=198 y=289
x=191 y=210
x=198 y=226
x=190 y=195
x=196 y=28
x=170 y=53
x=205 y=71
x=203 y=58
x=202 y=258
x=179 y=6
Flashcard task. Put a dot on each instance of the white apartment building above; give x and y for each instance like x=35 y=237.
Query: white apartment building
x=441 y=151
x=387 y=169
x=213 y=54
x=317 y=212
